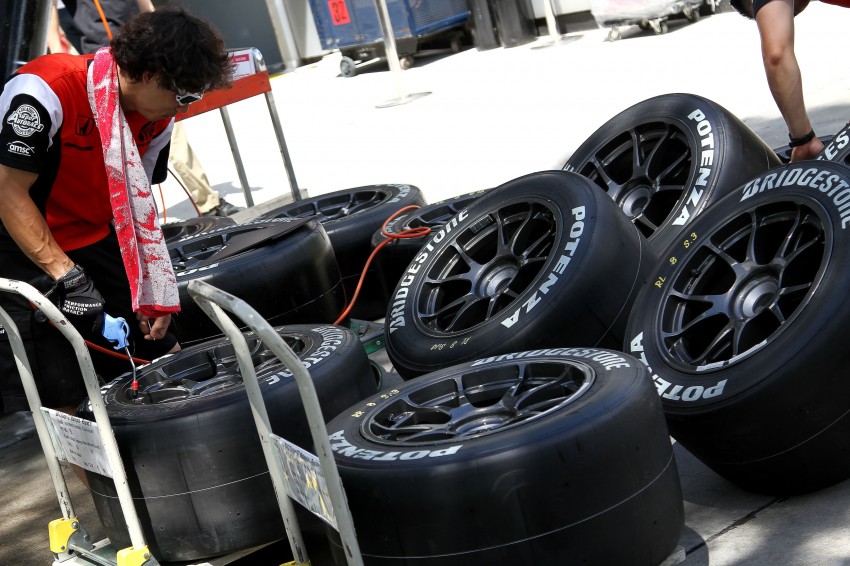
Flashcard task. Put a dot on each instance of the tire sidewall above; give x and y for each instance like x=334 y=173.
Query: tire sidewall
x=302 y=259
x=588 y=227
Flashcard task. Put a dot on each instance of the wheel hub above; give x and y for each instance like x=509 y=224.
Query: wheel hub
x=635 y=200
x=496 y=277
x=755 y=296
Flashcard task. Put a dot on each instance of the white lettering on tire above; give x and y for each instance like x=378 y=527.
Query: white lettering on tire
x=667 y=390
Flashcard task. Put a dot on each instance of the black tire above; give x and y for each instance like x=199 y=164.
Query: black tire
x=689 y=150
x=744 y=327
x=289 y=279
x=174 y=231
x=573 y=265
x=394 y=258
x=194 y=461
x=837 y=147
x=557 y=456
x=350 y=217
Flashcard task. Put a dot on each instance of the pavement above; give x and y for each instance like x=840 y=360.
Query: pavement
x=492 y=116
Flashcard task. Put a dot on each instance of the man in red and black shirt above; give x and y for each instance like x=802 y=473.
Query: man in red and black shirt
x=56 y=216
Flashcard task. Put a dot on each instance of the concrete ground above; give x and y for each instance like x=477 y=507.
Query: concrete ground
x=493 y=116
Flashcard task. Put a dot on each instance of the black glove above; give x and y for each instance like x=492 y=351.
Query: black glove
x=79 y=301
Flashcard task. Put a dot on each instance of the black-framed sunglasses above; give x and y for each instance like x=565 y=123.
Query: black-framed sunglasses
x=185 y=98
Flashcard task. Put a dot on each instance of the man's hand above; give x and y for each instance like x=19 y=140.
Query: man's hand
x=153 y=328
x=75 y=295
x=807 y=151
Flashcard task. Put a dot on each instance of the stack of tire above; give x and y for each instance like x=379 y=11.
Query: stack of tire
x=502 y=325
x=285 y=269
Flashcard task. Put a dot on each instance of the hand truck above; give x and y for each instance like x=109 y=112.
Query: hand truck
x=69 y=541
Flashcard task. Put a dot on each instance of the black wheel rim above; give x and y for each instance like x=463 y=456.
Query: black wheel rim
x=337 y=205
x=478 y=402
x=191 y=254
x=646 y=170
x=204 y=373
x=487 y=266
x=743 y=285
x=438 y=215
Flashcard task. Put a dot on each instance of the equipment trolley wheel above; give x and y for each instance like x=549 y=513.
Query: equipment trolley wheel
x=347 y=67
x=406 y=62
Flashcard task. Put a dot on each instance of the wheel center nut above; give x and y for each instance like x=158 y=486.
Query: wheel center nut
x=497 y=278
x=636 y=201
x=756 y=296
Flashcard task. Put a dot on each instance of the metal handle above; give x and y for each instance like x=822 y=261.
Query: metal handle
x=212 y=300
x=92 y=389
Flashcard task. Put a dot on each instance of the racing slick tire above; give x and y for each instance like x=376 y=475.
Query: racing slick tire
x=285 y=269
x=194 y=461
x=350 y=217
x=173 y=231
x=744 y=328
x=665 y=159
x=544 y=260
x=557 y=456
x=837 y=147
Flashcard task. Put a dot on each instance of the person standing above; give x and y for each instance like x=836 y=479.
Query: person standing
x=775 y=21
x=81 y=139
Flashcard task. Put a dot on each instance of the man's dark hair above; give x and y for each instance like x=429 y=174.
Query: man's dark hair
x=183 y=51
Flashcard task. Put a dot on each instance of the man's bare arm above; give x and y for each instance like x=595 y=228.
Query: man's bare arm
x=26 y=225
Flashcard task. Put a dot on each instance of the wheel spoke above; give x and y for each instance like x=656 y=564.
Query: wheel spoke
x=670 y=169
x=637 y=162
x=751 y=240
x=716 y=310
x=534 y=249
x=612 y=186
x=666 y=188
x=355 y=207
x=642 y=220
x=720 y=341
x=655 y=147
x=510 y=247
x=802 y=287
x=777 y=313
x=461 y=305
x=731 y=261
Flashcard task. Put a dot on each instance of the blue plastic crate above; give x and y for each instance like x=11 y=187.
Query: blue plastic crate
x=350 y=23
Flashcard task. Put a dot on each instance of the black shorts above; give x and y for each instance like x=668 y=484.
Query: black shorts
x=54 y=364
x=758 y=5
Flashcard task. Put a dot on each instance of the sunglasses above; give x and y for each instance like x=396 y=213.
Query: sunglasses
x=185 y=98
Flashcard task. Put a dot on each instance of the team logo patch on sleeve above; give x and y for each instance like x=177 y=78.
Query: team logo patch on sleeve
x=18 y=147
x=25 y=121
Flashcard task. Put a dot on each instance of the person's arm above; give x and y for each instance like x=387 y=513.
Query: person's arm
x=26 y=225
x=776 y=27
x=56 y=40
x=145 y=5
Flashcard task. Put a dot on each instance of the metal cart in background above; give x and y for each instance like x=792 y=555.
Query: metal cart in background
x=353 y=27
x=647 y=14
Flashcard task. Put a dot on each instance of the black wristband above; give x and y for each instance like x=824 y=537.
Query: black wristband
x=802 y=140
